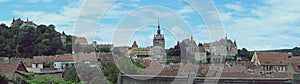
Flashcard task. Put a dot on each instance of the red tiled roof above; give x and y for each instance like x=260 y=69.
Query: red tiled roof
x=154 y=67
x=296 y=67
x=295 y=59
x=234 y=68
x=105 y=57
x=92 y=58
x=80 y=40
x=64 y=58
x=41 y=59
x=168 y=72
x=273 y=58
x=238 y=75
x=283 y=75
x=248 y=65
x=10 y=68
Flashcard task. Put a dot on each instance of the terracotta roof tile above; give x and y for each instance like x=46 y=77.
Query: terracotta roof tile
x=295 y=59
x=154 y=68
x=168 y=72
x=296 y=67
x=92 y=58
x=105 y=57
x=273 y=58
x=10 y=68
x=64 y=58
x=282 y=75
x=41 y=59
x=80 y=40
x=239 y=75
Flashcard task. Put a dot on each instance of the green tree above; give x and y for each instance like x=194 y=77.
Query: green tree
x=126 y=65
x=46 y=80
x=111 y=72
x=244 y=53
x=26 y=41
x=72 y=74
x=88 y=48
x=103 y=49
x=29 y=41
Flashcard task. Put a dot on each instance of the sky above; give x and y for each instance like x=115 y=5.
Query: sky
x=254 y=24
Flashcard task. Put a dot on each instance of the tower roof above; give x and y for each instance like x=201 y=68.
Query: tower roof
x=158 y=27
x=63 y=33
x=134 y=45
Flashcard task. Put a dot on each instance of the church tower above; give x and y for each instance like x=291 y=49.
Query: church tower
x=159 y=39
x=63 y=38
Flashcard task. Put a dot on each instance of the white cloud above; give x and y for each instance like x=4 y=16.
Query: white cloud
x=170 y=24
x=78 y=18
x=185 y=9
x=269 y=26
x=235 y=7
x=64 y=20
x=5 y=22
x=177 y=30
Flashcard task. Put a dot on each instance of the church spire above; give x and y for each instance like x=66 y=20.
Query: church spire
x=234 y=42
x=158 y=26
x=226 y=37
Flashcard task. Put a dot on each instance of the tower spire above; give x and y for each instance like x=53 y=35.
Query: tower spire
x=226 y=37
x=158 y=26
x=234 y=42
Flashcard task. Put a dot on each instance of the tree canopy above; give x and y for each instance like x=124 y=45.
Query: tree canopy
x=244 y=53
x=31 y=41
x=110 y=71
x=46 y=80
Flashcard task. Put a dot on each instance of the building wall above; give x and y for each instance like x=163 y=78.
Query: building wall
x=201 y=80
x=61 y=65
x=227 y=48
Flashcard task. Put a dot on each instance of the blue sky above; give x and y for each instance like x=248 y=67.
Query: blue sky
x=254 y=24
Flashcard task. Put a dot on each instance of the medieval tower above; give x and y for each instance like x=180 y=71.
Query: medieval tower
x=159 y=39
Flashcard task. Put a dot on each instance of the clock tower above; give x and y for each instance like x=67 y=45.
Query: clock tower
x=159 y=39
